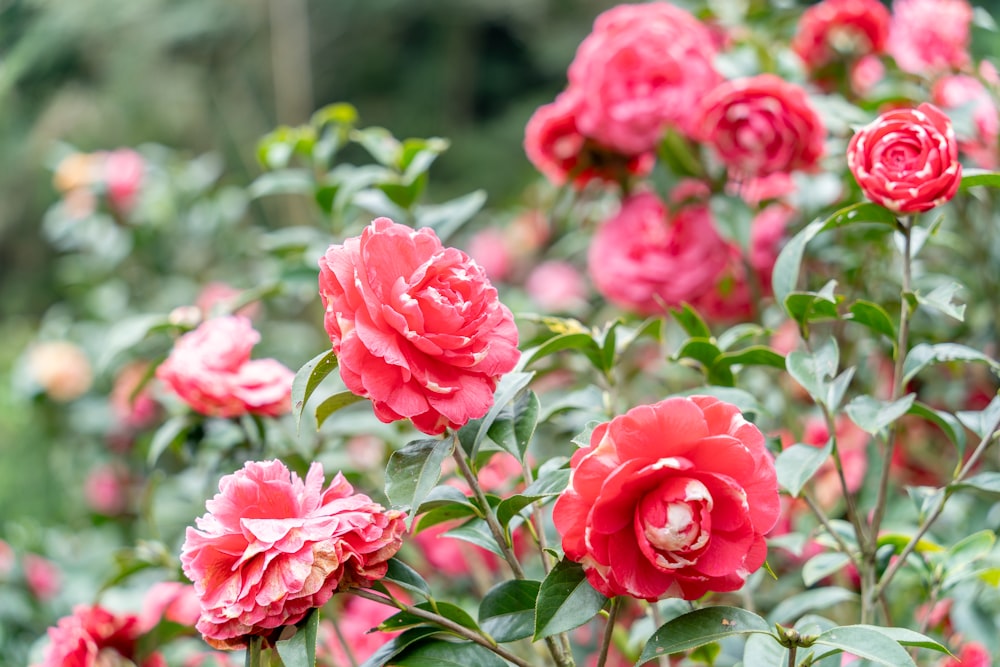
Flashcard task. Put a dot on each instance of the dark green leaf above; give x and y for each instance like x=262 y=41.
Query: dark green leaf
x=300 y=649
x=739 y=333
x=406 y=577
x=448 y=610
x=414 y=470
x=583 y=342
x=171 y=433
x=701 y=627
x=867 y=643
x=702 y=350
x=797 y=464
x=510 y=385
x=924 y=354
x=308 y=378
x=333 y=403
x=398 y=644
x=755 y=355
x=874 y=317
x=566 y=600
x=873 y=415
x=806 y=307
x=691 y=321
x=516 y=423
x=507 y=612
x=448 y=654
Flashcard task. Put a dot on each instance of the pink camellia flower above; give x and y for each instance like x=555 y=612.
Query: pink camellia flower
x=835 y=30
x=489 y=249
x=211 y=370
x=169 y=601
x=123 y=174
x=930 y=36
x=760 y=125
x=962 y=91
x=554 y=144
x=272 y=547
x=356 y=622
x=42 y=576
x=557 y=287
x=907 y=159
x=865 y=73
x=218 y=298
x=106 y=489
x=642 y=69
x=94 y=637
x=417 y=327
x=645 y=261
x=973 y=654
x=670 y=500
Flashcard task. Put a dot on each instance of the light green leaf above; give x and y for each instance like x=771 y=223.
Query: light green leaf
x=282 y=182
x=873 y=316
x=308 y=378
x=380 y=144
x=701 y=627
x=873 y=415
x=171 y=433
x=822 y=566
x=413 y=471
x=797 y=464
x=941 y=297
x=924 y=354
x=475 y=531
x=333 y=403
x=755 y=355
x=566 y=600
x=814 y=371
x=907 y=637
x=299 y=650
x=790 y=609
x=943 y=420
x=507 y=612
x=981 y=421
x=974 y=177
x=867 y=643
x=691 y=321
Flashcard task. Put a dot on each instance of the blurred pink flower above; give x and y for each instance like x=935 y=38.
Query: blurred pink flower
x=865 y=73
x=134 y=407
x=170 y=601
x=488 y=248
x=930 y=36
x=94 y=637
x=356 y=620
x=106 y=489
x=841 y=29
x=211 y=370
x=42 y=576
x=123 y=175
x=218 y=298
x=973 y=654
x=272 y=547
x=60 y=369
x=557 y=286
x=958 y=91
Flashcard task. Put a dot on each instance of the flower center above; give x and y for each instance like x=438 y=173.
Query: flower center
x=676 y=520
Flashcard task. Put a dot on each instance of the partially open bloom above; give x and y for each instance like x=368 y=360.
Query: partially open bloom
x=642 y=69
x=417 y=327
x=760 y=125
x=670 y=500
x=907 y=159
x=272 y=546
x=837 y=29
x=211 y=370
x=930 y=36
x=95 y=637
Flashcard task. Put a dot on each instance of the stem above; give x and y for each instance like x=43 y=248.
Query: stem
x=791 y=655
x=616 y=605
x=253 y=651
x=449 y=625
x=537 y=524
x=818 y=512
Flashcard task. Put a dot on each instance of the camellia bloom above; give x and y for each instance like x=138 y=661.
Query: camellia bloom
x=907 y=159
x=272 y=547
x=554 y=144
x=973 y=654
x=211 y=370
x=670 y=500
x=417 y=327
x=123 y=175
x=61 y=369
x=94 y=637
x=645 y=261
x=961 y=91
x=836 y=29
x=930 y=36
x=760 y=125
x=642 y=68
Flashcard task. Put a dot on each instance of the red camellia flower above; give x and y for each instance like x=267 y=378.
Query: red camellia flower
x=907 y=159
x=761 y=125
x=272 y=547
x=210 y=369
x=417 y=327
x=554 y=144
x=670 y=500
x=835 y=29
x=94 y=637
x=643 y=68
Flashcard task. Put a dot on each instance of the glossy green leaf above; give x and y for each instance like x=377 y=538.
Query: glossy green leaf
x=333 y=403
x=691 y=321
x=866 y=642
x=412 y=637
x=925 y=354
x=755 y=355
x=407 y=578
x=702 y=350
x=739 y=333
x=873 y=415
x=806 y=307
x=299 y=650
x=974 y=177
x=948 y=424
x=512 y=506
x=549 y=483
x=475 y=531
x=308 y=378
x=507 y=612
x=791 y=608
x=566 y=600
x=515 y=424
x=701 y=627
x=414 y=470
x=797 y=464
x=448 y=610
x=508 y=388
x=873 y=316
x=442 y=653
x=583 y=342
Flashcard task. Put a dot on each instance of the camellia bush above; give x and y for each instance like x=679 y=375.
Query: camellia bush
x=721 y=390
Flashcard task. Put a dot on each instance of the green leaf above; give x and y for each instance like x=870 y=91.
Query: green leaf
x=873 y=415
x=823 y=565
x=475 y=531
x=970 y=549
x=407 y=578
x=566 y=600
x=787 y=266
x=510 y=385
x=448 y=610
x=739 y=333
x=550 y=483
x=414 y=470
x=907 y=637
x=981 y=421
x=380 y=144
x=702 y=350
x=300 y=649
x=515 y=424
x=941 y=297
x=308 y=378
x=986 y=482
x=866 y=642
x=418 y=156
x=448 y=654
x=755 y=355
x=333 y=403
x=691 y=321
x=170 y=434
x=943 y=420
x=507 y=612
x=797 y=464
x=806 y=307
x=924 y=354
x=974 y=177
x=446 y=219
x=790 y=609
x=282 y=182
x=873 y=316
x=814 y=371
x=398 y=644
x=511 y=507
x=583 y=342
x=701 y=627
